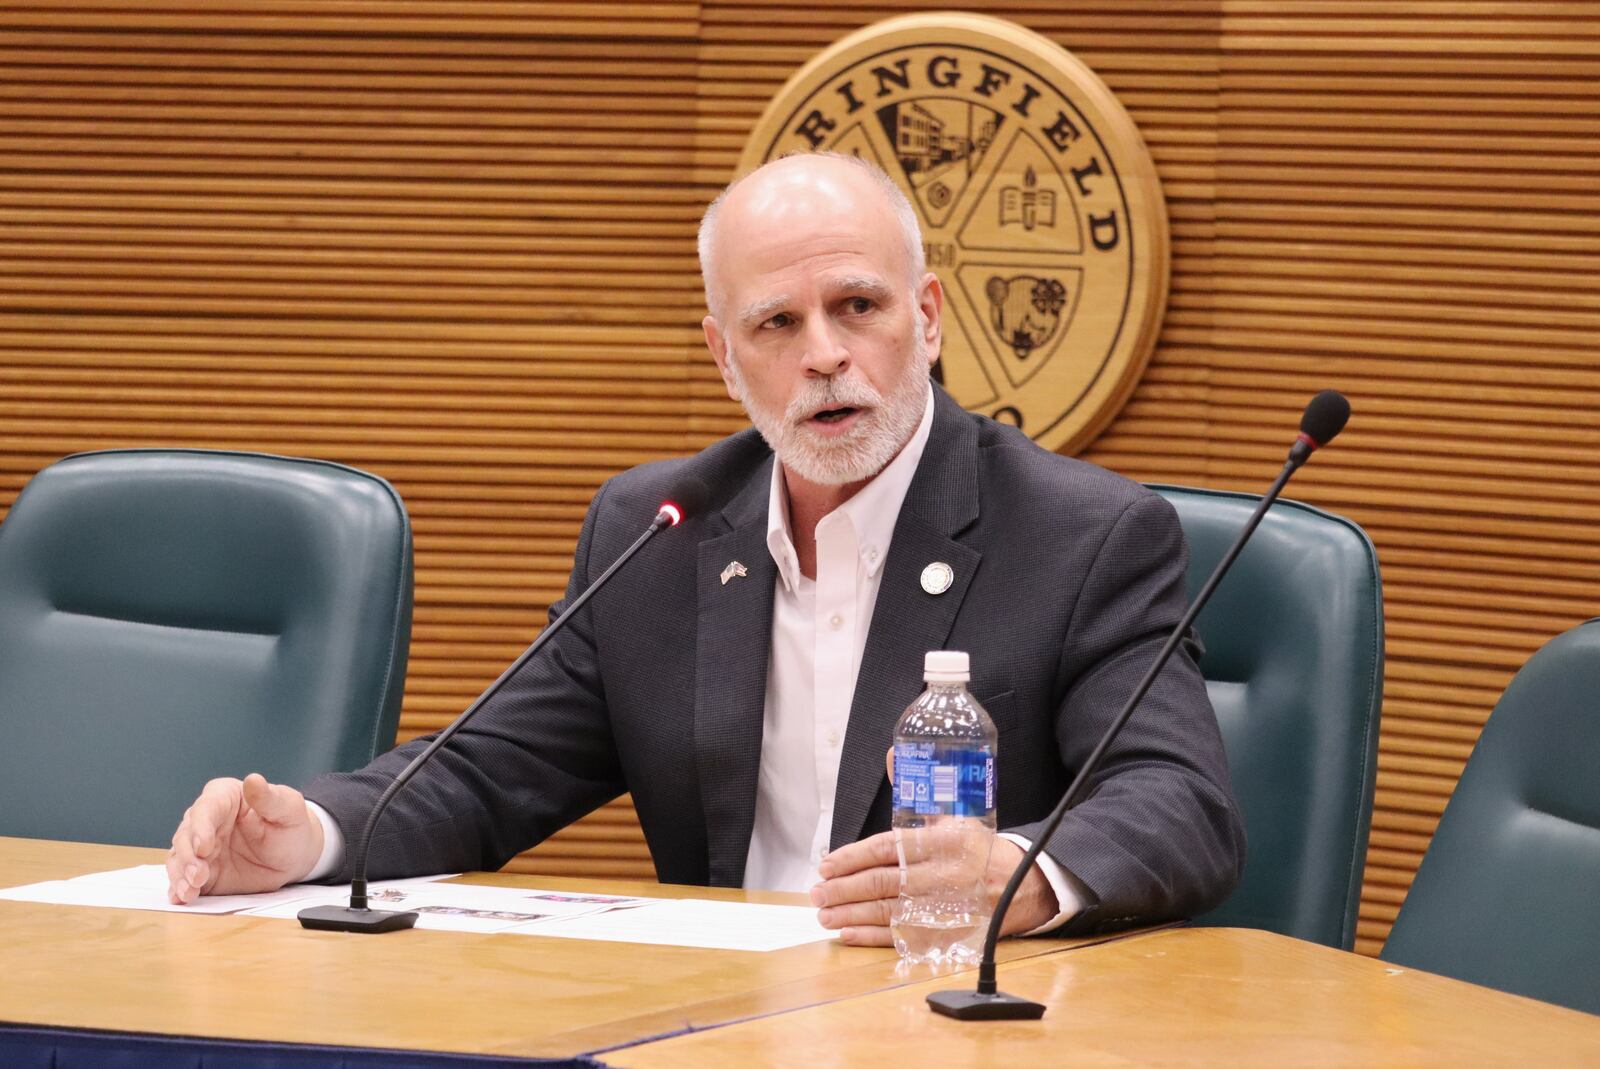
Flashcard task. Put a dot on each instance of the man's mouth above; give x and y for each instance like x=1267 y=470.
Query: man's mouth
x=835 y=415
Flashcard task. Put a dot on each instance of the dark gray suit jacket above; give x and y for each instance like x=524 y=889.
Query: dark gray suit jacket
x=1067 y=580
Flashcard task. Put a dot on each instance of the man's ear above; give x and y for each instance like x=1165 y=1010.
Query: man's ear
x=717 y=344
x=930 y=302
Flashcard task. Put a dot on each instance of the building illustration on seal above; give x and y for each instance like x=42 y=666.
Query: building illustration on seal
x=938 y=144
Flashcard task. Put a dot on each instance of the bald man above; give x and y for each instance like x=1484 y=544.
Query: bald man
x=742 y=679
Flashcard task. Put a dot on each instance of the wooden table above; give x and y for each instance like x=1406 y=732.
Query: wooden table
x=1202 y=997
x=248 y=978
x=1191 y=997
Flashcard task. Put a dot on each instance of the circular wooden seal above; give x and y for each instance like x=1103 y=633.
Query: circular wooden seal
x=1040 y=207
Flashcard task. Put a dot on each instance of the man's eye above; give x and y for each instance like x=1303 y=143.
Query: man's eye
x=777 y=322
x=858 y=305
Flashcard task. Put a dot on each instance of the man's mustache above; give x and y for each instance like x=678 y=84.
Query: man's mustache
x=835 y=393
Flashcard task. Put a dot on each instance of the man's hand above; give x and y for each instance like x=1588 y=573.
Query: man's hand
x=242 y=837
x=861 y=881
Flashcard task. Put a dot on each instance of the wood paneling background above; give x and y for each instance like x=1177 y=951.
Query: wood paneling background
x=452 y=242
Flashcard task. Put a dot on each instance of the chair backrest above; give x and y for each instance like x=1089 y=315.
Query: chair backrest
x=1294 y=665
x=1508 y=894
x=167 y=616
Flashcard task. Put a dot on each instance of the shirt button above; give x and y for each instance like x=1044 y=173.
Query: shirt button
x=872 y=554
x=836 y=621
x=833 y=738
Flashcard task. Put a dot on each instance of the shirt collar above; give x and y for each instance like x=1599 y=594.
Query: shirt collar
x=871 y=513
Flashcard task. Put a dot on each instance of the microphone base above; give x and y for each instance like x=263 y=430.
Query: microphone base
x=969 y=1005
x=360 y=921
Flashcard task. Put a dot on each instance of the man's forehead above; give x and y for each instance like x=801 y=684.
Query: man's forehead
x=813 y=202
x=804 y=222
x=801 y=183
x=814 y=255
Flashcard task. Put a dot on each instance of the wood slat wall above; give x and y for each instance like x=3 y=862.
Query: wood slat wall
x=1408 y=207
x=448 y=242
x=452 y=242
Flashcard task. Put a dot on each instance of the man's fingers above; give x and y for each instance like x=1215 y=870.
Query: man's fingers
x=198 y=875
x=202 y=841
x=198 y=837
x=186 y=874
x=856 y=915
x=215 y=810
x=888 y=764
x=864 y=886
x=871 y=936
x=178 y=859
x=182 y=843
x=178 y=887
x=871 y=852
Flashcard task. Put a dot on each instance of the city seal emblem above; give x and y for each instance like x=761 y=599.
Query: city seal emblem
x=1040 y=207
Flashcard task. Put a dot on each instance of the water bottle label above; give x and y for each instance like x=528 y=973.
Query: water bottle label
x=959 y=782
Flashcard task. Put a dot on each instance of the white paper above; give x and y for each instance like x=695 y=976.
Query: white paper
x=145 y=887
x=471 y=908
x=459 y=907
x=694 y=923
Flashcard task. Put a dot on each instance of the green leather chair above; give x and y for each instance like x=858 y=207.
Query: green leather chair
x=1508 y=894
x=1294 y=665
x=167 y=616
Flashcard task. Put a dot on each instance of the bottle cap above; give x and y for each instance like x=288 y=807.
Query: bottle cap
x=946 y=666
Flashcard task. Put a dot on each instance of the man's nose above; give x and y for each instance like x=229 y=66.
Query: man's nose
x=825 y=351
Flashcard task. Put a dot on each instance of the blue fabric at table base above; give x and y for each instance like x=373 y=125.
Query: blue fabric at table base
x=52 y=1048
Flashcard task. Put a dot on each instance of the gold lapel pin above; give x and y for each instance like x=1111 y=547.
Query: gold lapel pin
x=937 y=577
x=734 y=570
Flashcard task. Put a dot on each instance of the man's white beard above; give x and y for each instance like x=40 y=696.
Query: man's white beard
x=882 y=428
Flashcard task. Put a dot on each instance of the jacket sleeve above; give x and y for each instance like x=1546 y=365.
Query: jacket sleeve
x=536 y=757
x=1157 y=835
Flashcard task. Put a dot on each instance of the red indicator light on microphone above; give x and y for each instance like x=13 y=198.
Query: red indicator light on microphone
x=686 y=497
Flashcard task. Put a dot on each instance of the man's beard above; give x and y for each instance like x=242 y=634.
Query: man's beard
x=883 y=425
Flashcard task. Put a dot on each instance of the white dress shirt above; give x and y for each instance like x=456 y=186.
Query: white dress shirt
x=819 y=631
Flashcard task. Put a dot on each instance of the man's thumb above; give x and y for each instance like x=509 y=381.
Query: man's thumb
x=274 y=803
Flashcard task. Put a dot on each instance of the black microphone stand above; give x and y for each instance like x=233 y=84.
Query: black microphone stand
x=987 y=1002
x=357 y=916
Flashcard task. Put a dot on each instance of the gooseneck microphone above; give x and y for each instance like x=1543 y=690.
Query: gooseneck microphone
x=688 y=497
x=1324 y=418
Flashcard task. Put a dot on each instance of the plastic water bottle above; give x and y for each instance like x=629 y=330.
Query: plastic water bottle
x=944 y=820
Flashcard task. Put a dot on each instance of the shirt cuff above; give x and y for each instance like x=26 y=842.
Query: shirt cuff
x=332 y=858
x=1071 y=894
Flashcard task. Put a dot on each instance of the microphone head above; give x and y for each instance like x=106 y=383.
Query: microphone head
x=687 y=497
x=1325 y=417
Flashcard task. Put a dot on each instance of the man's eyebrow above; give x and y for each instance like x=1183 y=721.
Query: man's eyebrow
x=865 y=285
x=759 y=311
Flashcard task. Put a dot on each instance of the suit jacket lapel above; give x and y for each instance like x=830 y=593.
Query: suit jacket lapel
x=732 y=647
x=907 y=621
